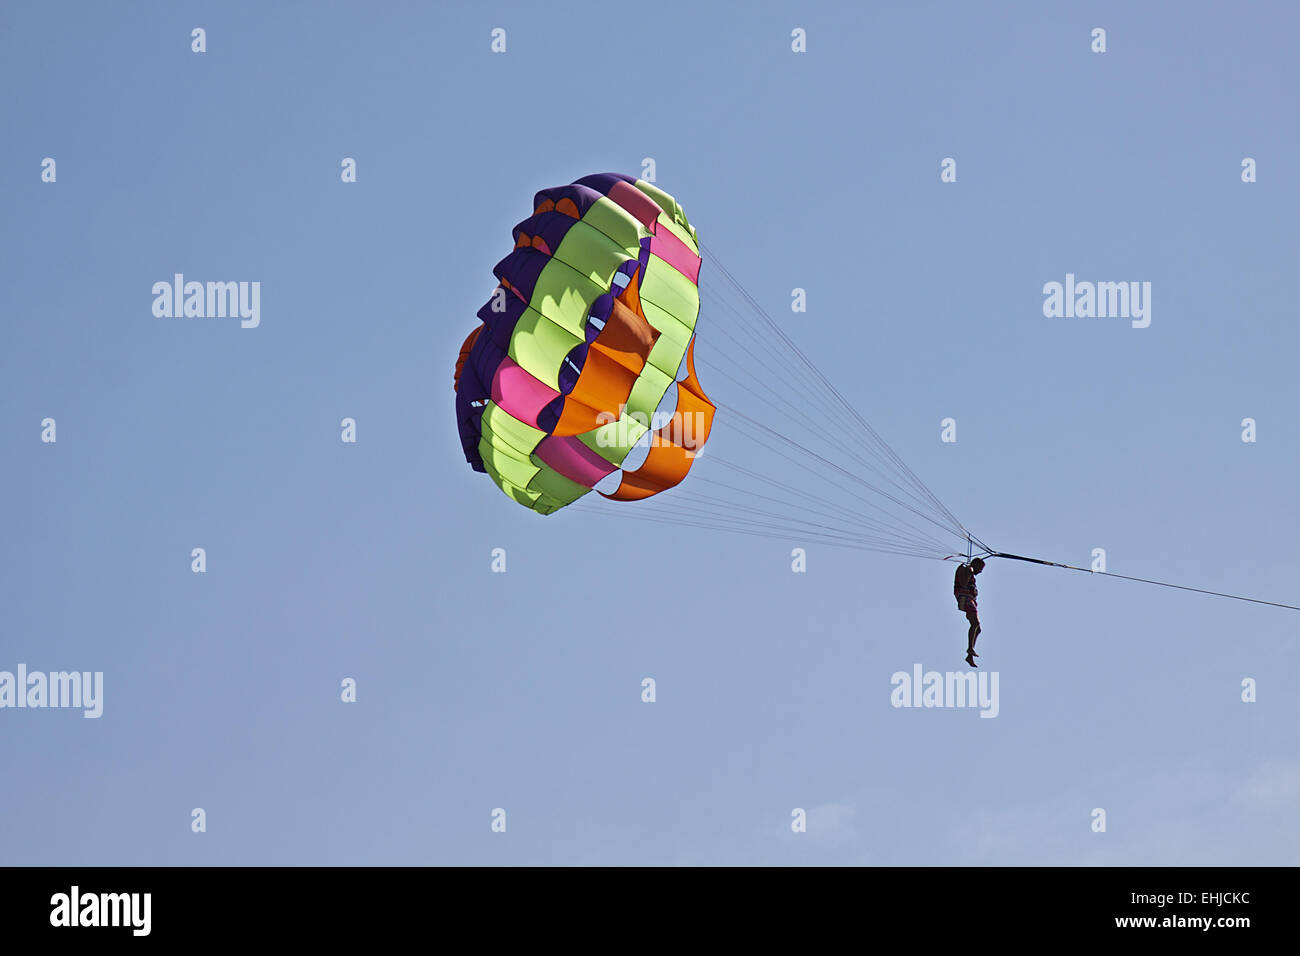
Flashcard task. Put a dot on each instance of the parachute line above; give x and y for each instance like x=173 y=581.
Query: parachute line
x=801 y=462
x=788 y=456
x=833 y=391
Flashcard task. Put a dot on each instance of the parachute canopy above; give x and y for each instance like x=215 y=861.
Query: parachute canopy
x=588 y=343
x=579 y=344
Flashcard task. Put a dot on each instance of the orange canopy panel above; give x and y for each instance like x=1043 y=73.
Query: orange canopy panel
x=673 y=449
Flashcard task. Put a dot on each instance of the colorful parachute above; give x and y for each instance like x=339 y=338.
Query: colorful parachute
x=576 y=357
x=581 y=342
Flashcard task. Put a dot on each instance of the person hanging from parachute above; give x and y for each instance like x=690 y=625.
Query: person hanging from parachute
x=964 y=589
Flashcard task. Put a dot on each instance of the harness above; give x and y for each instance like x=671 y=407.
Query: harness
x=966 y=590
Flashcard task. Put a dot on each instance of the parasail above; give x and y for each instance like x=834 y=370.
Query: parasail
x=579 y=344
x=581 y=376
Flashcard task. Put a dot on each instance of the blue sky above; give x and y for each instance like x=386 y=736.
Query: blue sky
x=522 y=690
